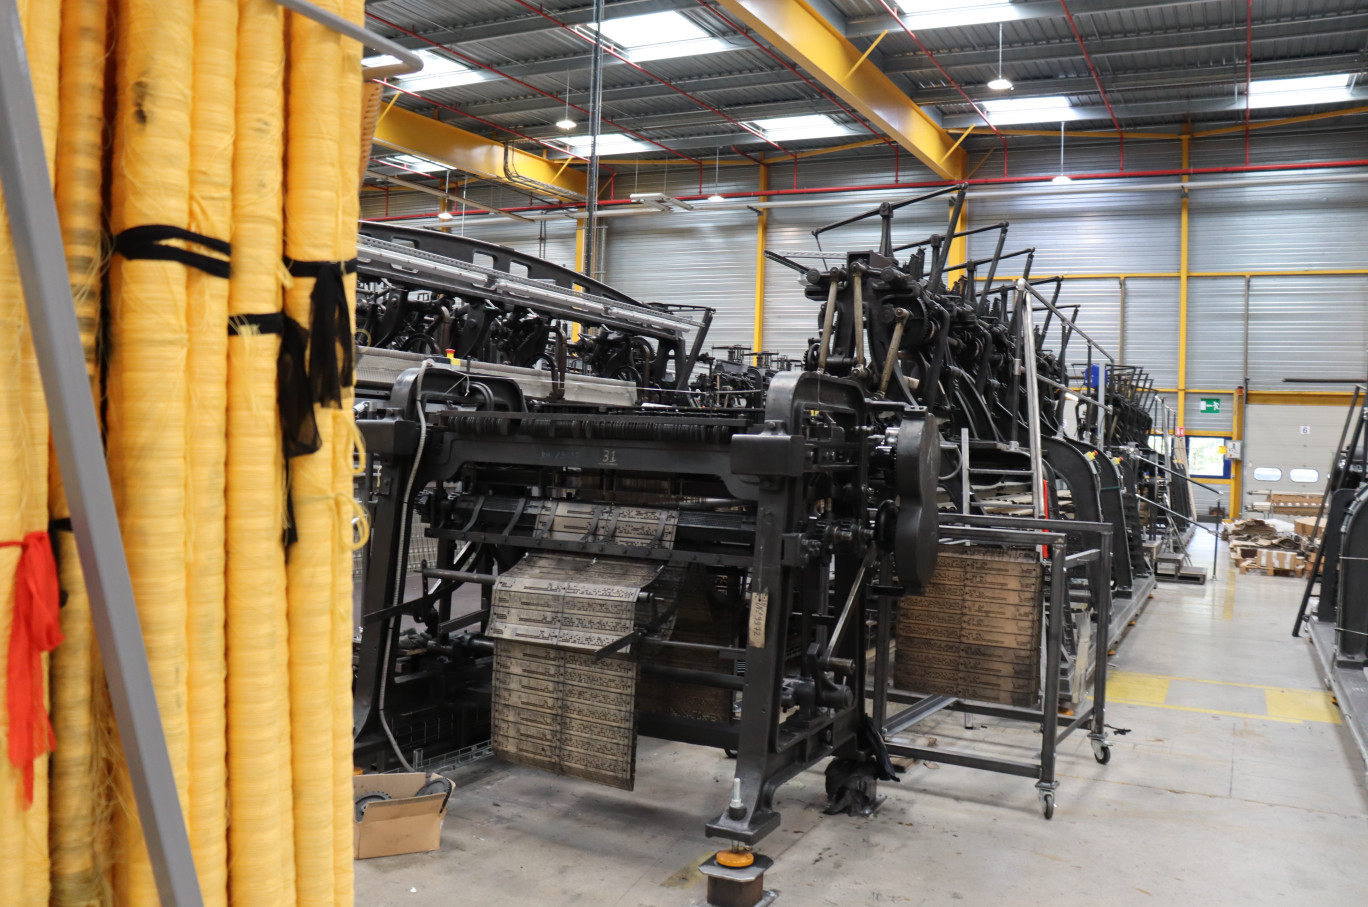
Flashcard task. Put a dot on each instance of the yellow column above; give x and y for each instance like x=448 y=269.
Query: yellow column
x=761 y=226
x=1183 y=286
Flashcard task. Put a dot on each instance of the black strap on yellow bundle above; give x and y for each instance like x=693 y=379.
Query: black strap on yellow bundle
x=299 y=428
x=330 y=328
x=149 y=242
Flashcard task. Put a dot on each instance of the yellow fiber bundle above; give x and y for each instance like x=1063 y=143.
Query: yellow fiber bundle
x=314 y=186
x=23 y=489
x=350 y=118
x=148 y=393
x=211 y=214
x=78 y=802
x=257 y=676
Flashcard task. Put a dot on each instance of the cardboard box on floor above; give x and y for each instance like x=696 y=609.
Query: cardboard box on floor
x=1279 y=560
x=402 y=824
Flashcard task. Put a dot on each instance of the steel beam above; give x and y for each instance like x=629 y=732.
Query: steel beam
x=797 y=30
x=411 y=133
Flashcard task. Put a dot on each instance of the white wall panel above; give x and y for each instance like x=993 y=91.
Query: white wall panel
x=1151 y=334
x=1307 y=327
x=1215 y=332
x=689 y=258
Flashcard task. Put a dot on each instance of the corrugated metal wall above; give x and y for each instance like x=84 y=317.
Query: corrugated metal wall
x=1299 y=326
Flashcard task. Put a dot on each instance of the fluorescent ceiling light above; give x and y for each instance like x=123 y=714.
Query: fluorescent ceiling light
x=659 y=36
x=1000 y=84
x=414 y=162
x=1061 y=179
x=939 y=14
x=565 y=123
x=440 y=72
x=1050 y=109
x=1300 y=90
x=608 y=143
x=793 y=129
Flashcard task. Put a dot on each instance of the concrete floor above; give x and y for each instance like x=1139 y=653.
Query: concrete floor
x=1234 y=785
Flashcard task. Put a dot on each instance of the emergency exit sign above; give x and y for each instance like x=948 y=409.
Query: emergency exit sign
x=1211 y=404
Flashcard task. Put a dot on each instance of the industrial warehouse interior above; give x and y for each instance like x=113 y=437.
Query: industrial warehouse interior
x=683 y=453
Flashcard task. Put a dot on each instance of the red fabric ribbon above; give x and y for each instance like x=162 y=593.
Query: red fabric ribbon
x=36 y=628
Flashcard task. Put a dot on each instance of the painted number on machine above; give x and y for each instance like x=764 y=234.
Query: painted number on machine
x=608 y=457
x=758 y=611
x=1211 y=404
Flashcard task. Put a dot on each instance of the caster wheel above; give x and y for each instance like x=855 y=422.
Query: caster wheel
x=1101 y=752
x=1047 y=804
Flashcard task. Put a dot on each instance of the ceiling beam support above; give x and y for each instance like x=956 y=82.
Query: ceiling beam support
x=411 y=133
x=795 y=29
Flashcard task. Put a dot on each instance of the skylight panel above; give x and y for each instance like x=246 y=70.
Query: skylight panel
x=1048 y=109
x=1301 y=90
x=797 y=128
x=923 y=14
x=414 y=162
x=440 y=71
x=660 y=36
x=608 y=143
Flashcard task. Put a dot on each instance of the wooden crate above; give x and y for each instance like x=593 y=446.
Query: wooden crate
x=975 y=632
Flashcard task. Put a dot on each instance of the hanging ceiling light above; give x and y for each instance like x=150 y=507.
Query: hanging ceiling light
x=717 y=166
x=565 y=122
x=1000 y=83
x=1061 y=179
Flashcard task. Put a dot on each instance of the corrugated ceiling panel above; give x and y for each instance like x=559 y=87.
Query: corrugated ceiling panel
x=1215 y=332
x=1151 y=335
x=1307 y=327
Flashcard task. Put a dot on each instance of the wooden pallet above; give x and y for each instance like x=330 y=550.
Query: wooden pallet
x=1251 y=569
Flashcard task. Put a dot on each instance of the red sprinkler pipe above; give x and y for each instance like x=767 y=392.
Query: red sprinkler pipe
x=1249 y=66
x=528 y=86
x=1121 y=137
x=981 y=181
x=739 y=29
x=609 y=49
x=953 y=83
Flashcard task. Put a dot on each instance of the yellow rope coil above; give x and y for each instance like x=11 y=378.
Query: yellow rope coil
x=257 y=676
x=350 y=459
x=313 y=188
x=211 y=214
x=23 y=506
x=76 y=802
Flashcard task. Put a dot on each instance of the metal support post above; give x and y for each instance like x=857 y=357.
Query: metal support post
x=41 y=259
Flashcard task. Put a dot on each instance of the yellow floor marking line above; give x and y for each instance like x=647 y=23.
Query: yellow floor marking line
x=687 y=876
x=1188 y=708
x=1307 y=705
x=1219 y=683
x=1137 y=688
x=1228 y=612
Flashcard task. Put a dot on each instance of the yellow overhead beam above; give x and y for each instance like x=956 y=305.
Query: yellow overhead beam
x=412 y=133
x=800 y=32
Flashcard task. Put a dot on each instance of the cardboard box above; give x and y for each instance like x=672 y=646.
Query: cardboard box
x=1310 y=527
x=405 y=823
x=1276 y=559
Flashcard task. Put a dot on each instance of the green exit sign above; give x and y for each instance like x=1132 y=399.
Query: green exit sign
x=1211 y=404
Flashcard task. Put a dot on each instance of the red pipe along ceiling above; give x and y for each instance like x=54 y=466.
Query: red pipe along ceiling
x=981 y=181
